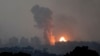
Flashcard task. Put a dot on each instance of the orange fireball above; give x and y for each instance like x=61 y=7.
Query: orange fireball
x=62 y=39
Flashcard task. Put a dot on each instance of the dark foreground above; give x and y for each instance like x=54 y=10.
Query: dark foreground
x=78 y=51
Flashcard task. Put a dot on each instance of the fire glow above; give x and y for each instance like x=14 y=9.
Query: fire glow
x=44 y=20
x=62 y=39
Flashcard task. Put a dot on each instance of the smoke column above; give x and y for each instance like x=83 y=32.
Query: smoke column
x=44 y=20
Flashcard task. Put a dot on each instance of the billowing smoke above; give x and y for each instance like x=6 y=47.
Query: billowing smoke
x=44 y=20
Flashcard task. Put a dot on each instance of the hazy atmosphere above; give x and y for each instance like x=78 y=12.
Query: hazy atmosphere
x=79 y=19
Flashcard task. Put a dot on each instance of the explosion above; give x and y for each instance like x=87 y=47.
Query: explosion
x=62 y=39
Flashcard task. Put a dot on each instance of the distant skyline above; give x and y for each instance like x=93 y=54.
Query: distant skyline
x=78 y=18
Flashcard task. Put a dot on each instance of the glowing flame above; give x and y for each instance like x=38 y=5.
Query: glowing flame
x=52 y=40
x=62 y=39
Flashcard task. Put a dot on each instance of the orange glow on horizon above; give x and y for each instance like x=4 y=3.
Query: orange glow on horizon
x=52 y=40
x=62 y=39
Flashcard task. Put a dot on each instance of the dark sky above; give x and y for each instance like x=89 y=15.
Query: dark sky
x=78 y=18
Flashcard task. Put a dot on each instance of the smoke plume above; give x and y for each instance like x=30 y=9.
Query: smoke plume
x=43 y=18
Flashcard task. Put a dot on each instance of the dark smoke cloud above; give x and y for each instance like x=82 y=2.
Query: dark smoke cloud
x=42 y=16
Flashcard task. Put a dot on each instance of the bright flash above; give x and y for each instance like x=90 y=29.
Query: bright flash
x=62 y=39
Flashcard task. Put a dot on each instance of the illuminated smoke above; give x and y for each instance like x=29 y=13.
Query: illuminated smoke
x=44 y=20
